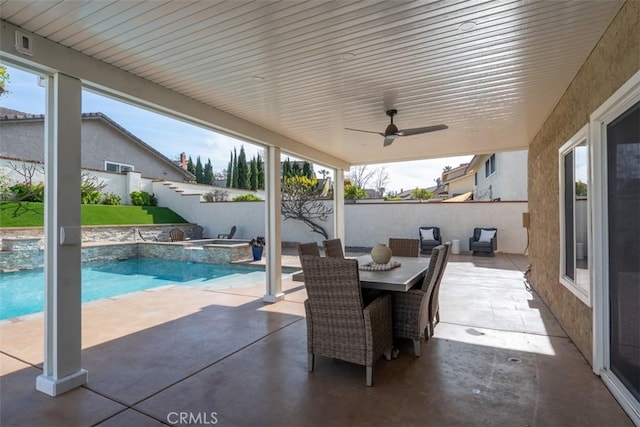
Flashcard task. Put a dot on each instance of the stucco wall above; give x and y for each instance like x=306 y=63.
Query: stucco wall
x=614 y=60
x=100 y=142
x=365 y=223
x=190 y=188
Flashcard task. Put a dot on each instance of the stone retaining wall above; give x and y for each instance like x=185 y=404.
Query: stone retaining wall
x=109 y=252
x=122 y=233
x=208 y=253
x=27 y=254
x=21 y=254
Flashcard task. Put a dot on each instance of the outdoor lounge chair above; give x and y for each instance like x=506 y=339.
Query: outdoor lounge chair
x=484 y=241
x=176 y=235
x=434 y=299
x=310 y=248
x=404 y=247
x=411 y=308
x=196 y=232
x=339 y=325
x=429 y=238
x=333 y=248
x=228 y=235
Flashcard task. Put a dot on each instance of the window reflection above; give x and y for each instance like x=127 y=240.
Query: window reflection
x=574 y=216
x=581 y=217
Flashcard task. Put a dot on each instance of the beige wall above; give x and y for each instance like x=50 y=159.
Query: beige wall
x=613 y=61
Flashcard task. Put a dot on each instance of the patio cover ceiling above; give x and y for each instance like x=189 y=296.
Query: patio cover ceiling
x=492 y=71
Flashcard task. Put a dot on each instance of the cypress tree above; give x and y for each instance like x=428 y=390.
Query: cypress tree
x=208 y=173
x=230 y=170
x=295 y=170
x=234 y=179
x=286 y=168
x=253 y=175
x=243 y=170
x=260 y=166
x=190 y=166
x=307 y=170
x=199 y=171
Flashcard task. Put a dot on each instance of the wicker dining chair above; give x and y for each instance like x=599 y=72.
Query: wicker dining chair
x=404 y=247
x=339 y=325
x=411 y=308
x=434 y=300
x=333 y=248
x=310 y=248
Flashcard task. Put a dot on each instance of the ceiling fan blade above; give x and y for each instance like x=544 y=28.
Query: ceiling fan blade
x=367 y=131
x=417 y=131
x=388 y=140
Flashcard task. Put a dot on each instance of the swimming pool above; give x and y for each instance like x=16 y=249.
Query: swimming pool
x=22 y=292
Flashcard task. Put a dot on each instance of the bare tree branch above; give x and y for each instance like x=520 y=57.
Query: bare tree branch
x=360 y=175
x=381 y=180
x=27 y=170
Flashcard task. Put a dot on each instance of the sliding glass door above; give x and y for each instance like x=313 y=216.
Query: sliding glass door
x=623 y=208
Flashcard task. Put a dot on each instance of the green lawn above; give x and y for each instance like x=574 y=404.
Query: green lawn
x=28 y=214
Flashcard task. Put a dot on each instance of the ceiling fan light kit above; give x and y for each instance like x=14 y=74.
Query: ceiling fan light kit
x=392 y=131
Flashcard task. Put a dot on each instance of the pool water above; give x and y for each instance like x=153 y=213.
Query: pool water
x=22 y=292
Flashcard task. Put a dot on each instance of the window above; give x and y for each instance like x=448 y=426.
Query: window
x=117 y=167
x=490 y=166
x=575 y=230
x=475 y=179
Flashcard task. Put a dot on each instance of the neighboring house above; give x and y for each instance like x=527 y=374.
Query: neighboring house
x=499 y=176
x=106 y=146
x=457 y=181
x=373 y=193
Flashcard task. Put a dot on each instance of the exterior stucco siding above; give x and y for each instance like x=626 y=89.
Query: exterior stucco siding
x=512 y=165
x=614 y=60
x=22 y=140
x=508 y=182
x=100 y=142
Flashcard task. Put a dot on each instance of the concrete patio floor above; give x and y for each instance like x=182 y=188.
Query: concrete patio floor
x=223 y=357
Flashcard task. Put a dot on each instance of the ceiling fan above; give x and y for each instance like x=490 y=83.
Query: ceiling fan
x=392 y=131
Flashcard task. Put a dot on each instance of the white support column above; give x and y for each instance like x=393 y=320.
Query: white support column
x=338 y=205
x=273 y=227
x=63 y=347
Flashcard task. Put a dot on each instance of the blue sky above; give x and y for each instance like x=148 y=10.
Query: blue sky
x=171 y=137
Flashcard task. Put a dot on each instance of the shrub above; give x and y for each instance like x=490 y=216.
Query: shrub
x=142 y=198
x=25 y=192
x=216 y=196
x=422 y=194
x=354 y=192
x=5 y=187
x=111 y=199
x=246 y=198
x=90 y=197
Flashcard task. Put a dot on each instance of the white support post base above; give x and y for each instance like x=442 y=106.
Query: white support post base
x=273 y=298
x=52 y=387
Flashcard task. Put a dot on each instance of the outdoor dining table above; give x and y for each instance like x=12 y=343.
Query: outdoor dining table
x=399 y=279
